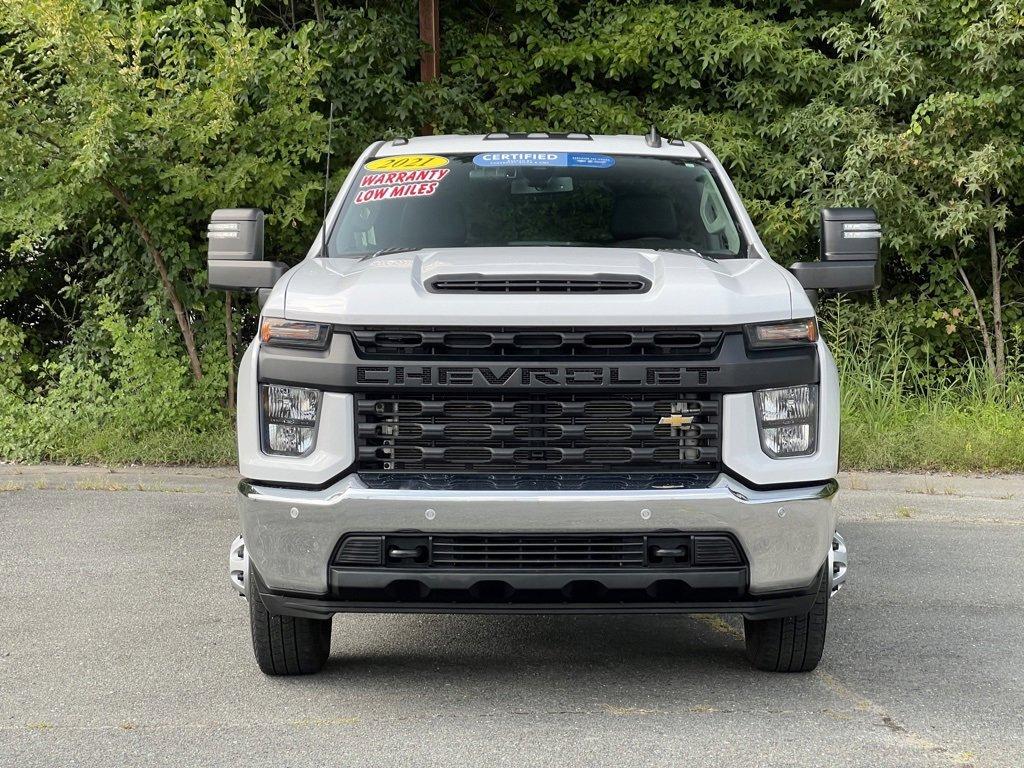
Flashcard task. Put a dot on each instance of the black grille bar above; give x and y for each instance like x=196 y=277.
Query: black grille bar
x=538 y=432
x=542 y=481
x=675 y=343
x=537 y=552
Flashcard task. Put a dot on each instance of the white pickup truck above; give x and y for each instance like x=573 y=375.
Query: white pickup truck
x=542 y=372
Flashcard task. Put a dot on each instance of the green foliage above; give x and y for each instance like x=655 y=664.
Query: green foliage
x=122 y=125
x=143 y=405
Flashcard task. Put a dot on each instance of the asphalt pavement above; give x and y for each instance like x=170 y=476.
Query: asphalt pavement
x=121 y=643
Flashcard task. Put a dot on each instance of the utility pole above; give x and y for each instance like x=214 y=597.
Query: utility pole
x=430 y=34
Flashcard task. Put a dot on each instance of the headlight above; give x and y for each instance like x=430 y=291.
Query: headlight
x=289 y=419
x=787 y=419
x=278 y=332
x=787 y=334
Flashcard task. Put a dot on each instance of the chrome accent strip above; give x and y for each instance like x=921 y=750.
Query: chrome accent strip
x=238 y=565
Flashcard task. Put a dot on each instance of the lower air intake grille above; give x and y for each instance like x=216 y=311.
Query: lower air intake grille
x=538 y=433
x=361 y=550
x=714 y=550
x=576 y=552
x=516 y=551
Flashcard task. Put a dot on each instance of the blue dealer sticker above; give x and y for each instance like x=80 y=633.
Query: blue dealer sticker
x=545 y=159
x=590 y=160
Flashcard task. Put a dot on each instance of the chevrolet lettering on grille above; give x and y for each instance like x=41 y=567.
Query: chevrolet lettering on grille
x=520 y=376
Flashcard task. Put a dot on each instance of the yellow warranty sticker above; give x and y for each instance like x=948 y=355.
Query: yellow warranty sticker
x=405 y=162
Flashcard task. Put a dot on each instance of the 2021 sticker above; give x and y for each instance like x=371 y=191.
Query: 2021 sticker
x=406 y=163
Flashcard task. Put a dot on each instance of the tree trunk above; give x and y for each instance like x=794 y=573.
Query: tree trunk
x=158 y=260
x=990 y=360
x=997 y=307
x=318 y=12
x=230 y=330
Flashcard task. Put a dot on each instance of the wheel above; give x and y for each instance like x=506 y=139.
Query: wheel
x=792 y=643
x=287 y=645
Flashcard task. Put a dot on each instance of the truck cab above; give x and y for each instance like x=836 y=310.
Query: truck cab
x=522 y=373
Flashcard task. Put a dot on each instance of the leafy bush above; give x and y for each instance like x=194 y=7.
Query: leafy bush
x=143 y=405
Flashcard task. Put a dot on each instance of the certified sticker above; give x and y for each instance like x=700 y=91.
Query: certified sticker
x=544 y=159
x=406 y=163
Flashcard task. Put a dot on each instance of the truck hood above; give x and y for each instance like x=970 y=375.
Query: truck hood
x=391 y=290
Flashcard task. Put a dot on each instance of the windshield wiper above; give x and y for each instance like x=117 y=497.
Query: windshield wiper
x=389 y=251
x=692 y=251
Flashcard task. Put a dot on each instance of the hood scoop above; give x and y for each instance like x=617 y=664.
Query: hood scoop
x=476 y=283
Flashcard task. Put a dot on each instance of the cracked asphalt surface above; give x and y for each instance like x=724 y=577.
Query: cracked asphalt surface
x=122 y=643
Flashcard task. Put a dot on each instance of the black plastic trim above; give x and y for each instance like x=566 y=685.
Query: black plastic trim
x=838 y=276
x=791 y=603
x=538 y=481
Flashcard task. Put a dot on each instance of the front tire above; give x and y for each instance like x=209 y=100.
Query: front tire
x=287 y=645
x=792 y=643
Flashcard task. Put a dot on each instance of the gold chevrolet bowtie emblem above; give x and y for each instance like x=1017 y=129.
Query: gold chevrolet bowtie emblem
x=676 y=420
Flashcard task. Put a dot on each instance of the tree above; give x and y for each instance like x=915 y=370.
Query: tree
x=944 y=157
x=148 y=116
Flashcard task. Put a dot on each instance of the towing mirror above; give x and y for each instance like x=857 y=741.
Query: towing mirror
x=235 y=256
x=850 y=239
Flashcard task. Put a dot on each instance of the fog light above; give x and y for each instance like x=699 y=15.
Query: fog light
x=285 y=438
x=786 y=420
x=289 y=419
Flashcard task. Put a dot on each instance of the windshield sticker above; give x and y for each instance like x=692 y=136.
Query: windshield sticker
x=545 y=159
x=590 y=160
x=402 y=177
x=406 y=162
x=400 y=191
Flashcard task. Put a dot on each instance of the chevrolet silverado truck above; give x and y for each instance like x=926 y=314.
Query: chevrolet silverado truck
x=522 y=373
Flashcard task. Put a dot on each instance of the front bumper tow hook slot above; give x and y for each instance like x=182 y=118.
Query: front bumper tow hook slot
x=404 y=554
x=677 y=552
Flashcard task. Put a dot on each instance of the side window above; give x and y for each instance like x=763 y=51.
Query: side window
x=714 y=215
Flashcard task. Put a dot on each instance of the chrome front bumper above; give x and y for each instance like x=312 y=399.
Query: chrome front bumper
x=290 y=534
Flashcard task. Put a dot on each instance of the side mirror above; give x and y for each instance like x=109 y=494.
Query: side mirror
x=235 y=256
x=850 y=239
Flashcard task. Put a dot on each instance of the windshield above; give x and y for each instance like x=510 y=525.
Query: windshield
x=534 y=199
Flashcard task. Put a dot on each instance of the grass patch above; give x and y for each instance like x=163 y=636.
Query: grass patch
x=903 y=409
x=940 y=432
x=164 y=446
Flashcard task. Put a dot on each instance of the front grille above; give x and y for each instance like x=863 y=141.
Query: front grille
x=547 y=343
x=536 y=433
x=500 y=552
x=480 y=284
